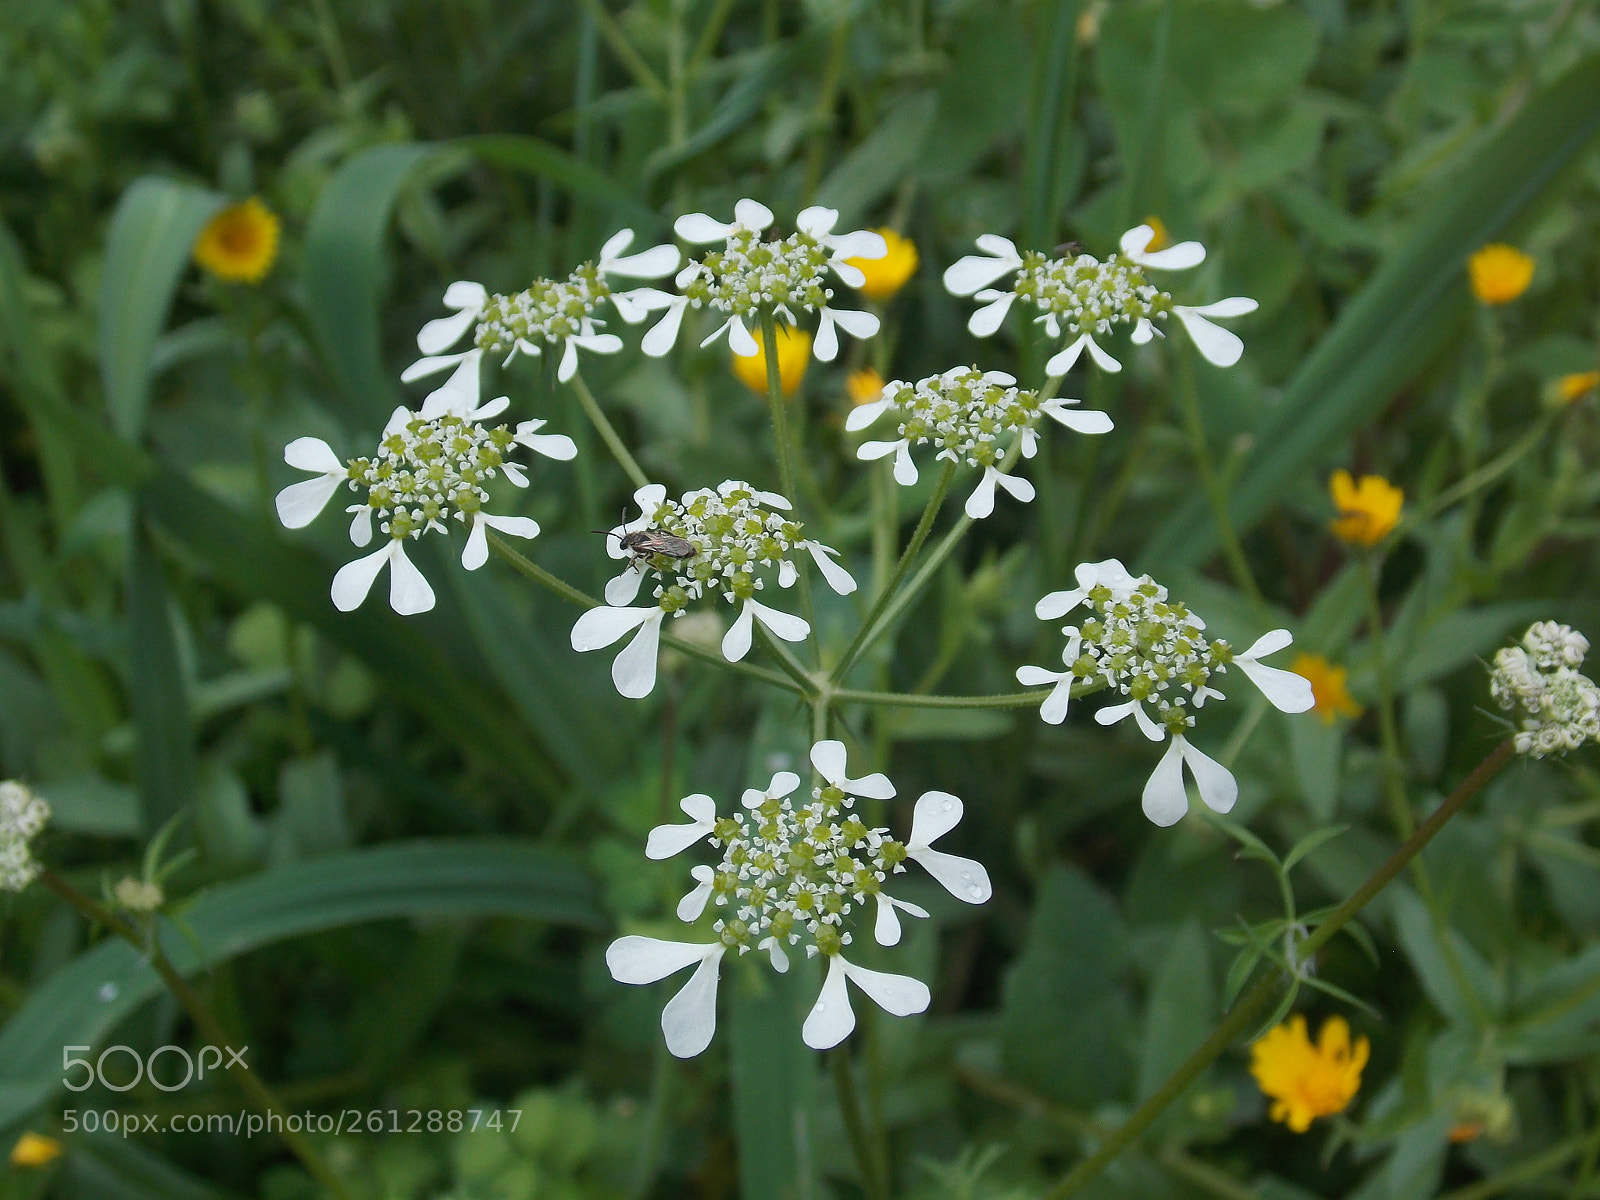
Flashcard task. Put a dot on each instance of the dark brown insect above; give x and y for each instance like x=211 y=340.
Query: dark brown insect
x=645 y=544
x=1069 y=249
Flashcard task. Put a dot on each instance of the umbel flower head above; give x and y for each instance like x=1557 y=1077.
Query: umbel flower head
x=794 y=352
x=1081 y=298
x=430 y=468
x=965 y=412
x=240 y=243
x=1154 y=652
x=751 y=276
x=796 y=871
x=1368 y=511
x=1305 y=1081
x=1557 y=705
x=708 y=543
x=23 y=816
x=555 y=314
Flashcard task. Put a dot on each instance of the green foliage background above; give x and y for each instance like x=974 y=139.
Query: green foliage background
x=416 y=836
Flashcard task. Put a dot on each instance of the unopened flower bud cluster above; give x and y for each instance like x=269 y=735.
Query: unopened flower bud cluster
x=23 y=816
x=427 y=470
x=1148 y=649
x=732 y=532
x=964 y=411
x=787 y=871
x=749 y=274
x=549 y=311
x=1539 y=677
x=1084 y=295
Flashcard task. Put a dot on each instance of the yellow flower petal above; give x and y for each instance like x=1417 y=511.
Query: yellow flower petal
x=1328 y=687
x=1368 y=511
x=35 y=1150
x=1499 y=273
x=240 y=243
x=1162 y=238
x=1305 y=1081
x=864 y=386
x=794 y=352
x=1577 y=385
x=887 y=275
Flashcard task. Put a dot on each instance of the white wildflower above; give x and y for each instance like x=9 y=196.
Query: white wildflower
x=23 y=816
x=1081 y=298
x=431 y=466
x=1558 y=705
x=965 y=412
x=1155 y=652
x=721 y=542
x=751 y=276
x=555 y=314
x=791 y=873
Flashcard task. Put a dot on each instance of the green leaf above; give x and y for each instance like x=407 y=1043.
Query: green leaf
x=112 y=1167
x=1181 y=1009
x=578 y=178
x=152 y=236
x=85 y=1000
x=876 y=164
x=156 y=690
x=1309 y=843
x=1461 y=985
x=772 y=1075
x=1399 y=319
x=343 y=272
x=738 y=105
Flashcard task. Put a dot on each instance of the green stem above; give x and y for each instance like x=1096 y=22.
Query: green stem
x=875 y=1185
x=1479 y=478
x=918 y=537
x=1521 y=1173
x=607 y=432
x=1257 y=1000
x=205 y=1022
x=914 y=700
x=1394 y=785
x=532 y=570
x=624 y=50
x=780 y=434
x=791 y=666
x=1216 y=493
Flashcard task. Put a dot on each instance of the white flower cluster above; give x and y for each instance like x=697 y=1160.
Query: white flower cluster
x=1559 y=705
x=751 y=274
x=550 y=313
x=965 y=412
x=709 y=542
x=23 y=817
x=789 y=873
x=1155 y=652
x=1080 y=298
x=430 y=467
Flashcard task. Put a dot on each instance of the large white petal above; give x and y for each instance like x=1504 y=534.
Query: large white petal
x=1054 y=709
x=739 y=339
x=360 y=523
x=840 y=580
x=313 y=454
x=521 y=527
x=647 y=264
x=569 y=360
x=433 y=364
x=1232 y=306
x=886 y=929
x=780 y=624
x=354 y=580
x=552 y=445
x=752 y=214
x=736 y=642
x=826 y=345
x=1136 y=239
x=441 y=333
x=1143 y=331
x=1108 y=572
x=700 y=229
x=1018 y=487
x=856 y=322
x=1101 y=359
x=898 y=995
x=689 y=1020
x=935 y=815
x=1218 y=788
x=634 y=670
x=1268 y=643
x=1165 y=801
x=963 y=878
x=1064 y=359
x=851 y=274
x=831 y=1019
x=300 y=503
x=986 y=320
x=664 y=333
x=1000 y=247
x=458 y=395
x=1038 y=676
x=666 y=840
x=860 y=243
x=624 y=587
x=600 y=627
x=476 y=552
x=863 y=415
x=1079 y=420
x=1220 y=347
x=831 y=761
x=615 y=245
x=639 y=960
x=409 y=592
x=981 y=503
x=1174 y=258
x=1288 y=692
x=1059 y=604
x=972 y=273
x=693 y=904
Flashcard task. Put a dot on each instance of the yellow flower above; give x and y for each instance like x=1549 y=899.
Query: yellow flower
x=35 y=1150
x=1162 y=238
x=1327 y=686
x=864 y=386
x=1575 y=386
x=886 y=275
x=239 y=244
x=1306 y=1081
x=1366 y=512
x=1500 y=273
x=794 y=352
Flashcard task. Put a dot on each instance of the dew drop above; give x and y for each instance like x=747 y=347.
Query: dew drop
x=108 y=992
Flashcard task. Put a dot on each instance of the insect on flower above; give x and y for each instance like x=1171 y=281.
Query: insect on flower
x=645 y=544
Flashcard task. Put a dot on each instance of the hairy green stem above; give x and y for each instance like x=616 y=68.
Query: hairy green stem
x=1249 y=1008
x=532 y=570
x=607 y=432
x=205 y=1022
x=920 y=535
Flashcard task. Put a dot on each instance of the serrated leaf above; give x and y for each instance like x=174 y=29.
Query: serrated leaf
x=152 y=236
